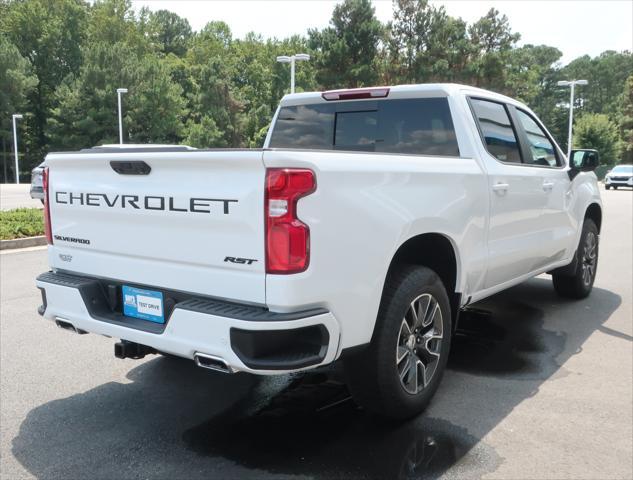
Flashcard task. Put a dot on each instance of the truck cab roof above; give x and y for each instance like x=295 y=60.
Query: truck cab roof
x=400 y=92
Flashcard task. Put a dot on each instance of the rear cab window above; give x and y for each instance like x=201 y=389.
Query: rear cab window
x=497 y=130
x=419 y=126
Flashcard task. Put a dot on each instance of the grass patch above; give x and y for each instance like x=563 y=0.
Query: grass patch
x=21 y=222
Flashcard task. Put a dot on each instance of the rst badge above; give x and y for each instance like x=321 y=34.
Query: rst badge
x=242 y=261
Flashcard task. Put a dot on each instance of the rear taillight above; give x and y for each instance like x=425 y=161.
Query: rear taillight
x=287 y=237
x=47 y=208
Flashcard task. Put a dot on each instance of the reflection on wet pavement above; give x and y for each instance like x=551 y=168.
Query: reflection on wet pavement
x=314 y=428
x=512 y=342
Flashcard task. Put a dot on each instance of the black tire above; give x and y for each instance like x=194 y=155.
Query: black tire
x=579 y=284
x=607 y=187
x=615 y=187
x=374 y=375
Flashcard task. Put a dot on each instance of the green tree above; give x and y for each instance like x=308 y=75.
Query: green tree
x=49 y=34
x=85 y=112
x=114 y=21
x=530 y=71
x=16 y=82
x=211 y=97
x=408 y=37
x=449 y=48
x=345 y=52
x=204 y=134
x=156 y=106
x=86 y=106
x=426 y=44
x=169 y=32
x=595 y=130
x=492 y=41
x=607 y=74
x=626 y=121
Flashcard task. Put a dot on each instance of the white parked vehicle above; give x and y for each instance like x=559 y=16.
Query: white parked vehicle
x=619 y=176
x=37 y=189
x=367 y=221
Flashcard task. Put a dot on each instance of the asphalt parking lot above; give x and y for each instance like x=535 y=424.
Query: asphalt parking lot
x=538 y=387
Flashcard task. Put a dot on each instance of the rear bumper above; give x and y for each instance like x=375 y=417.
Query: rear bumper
x=247 y=338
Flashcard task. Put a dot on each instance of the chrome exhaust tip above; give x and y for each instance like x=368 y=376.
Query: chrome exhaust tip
x=66 y=325
x=212 y=363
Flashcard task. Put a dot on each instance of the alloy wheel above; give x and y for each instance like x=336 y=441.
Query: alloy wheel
x=589 y=258
x=419 y=343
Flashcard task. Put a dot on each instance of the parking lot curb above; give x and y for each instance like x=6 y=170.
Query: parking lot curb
x=22 y=242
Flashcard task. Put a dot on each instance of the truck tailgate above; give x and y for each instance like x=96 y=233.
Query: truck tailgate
x=194 y=223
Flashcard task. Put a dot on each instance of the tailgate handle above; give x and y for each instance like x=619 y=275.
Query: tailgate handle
x=130 y=167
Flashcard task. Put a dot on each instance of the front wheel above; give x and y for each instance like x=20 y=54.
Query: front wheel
x=397 y=375
x=607 y=187
x=579 y=284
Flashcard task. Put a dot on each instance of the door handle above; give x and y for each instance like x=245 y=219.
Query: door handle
x=547 y=186
x=500 y=187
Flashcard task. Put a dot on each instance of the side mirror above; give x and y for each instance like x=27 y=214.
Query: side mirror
x=583 y=161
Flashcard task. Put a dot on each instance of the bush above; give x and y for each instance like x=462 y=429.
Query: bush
x=22 y=222
x=595 y=130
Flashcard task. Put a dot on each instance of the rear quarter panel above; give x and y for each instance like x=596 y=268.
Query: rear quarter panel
x=365 y=207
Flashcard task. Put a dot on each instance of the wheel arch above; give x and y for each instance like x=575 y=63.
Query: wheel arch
x=438 y=252
x=594 y=212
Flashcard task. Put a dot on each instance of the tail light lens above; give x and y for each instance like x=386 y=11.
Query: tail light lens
x=47 y=208
x=287 y=237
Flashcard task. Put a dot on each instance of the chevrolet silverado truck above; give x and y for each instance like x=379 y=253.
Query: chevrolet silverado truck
x=359 y=231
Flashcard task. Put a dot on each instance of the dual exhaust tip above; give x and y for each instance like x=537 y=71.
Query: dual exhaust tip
x=125 y=349
x=212 y=363
x=66 y=325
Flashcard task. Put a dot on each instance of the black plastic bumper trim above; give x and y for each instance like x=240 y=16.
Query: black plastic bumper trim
x=42 y=308
x=244 y=312
x=95 y=299
x=286 y=349
x=97 y=296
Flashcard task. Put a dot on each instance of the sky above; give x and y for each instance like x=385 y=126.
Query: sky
x=575 y=27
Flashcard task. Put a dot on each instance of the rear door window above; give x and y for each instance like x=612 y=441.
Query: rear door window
x=422 y=126
x=496 y=129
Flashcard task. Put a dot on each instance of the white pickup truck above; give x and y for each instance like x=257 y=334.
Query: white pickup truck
x=367 y=221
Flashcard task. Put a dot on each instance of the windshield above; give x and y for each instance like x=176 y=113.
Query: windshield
x=623 y=169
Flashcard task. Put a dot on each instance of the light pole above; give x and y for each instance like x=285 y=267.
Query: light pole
x=299 y=57
x=572 y=84
x=119 y=91
x=16 y=116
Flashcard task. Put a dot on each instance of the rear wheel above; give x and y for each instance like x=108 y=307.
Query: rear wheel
x=580 y=283
x=399 y=372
